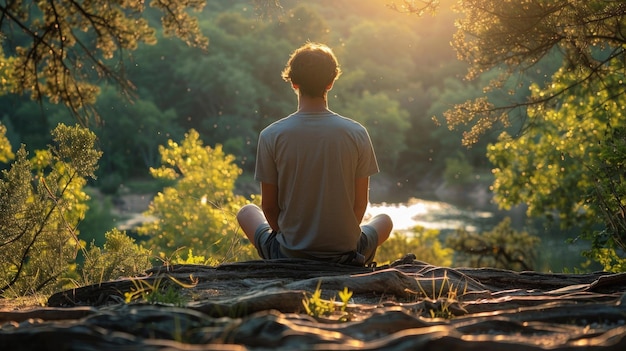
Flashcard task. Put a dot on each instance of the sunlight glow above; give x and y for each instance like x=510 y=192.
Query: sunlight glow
x=428 y=214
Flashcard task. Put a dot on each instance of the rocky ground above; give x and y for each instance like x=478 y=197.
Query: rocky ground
x=258 y=305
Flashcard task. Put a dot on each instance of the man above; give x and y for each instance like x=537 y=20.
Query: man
x=314 y=167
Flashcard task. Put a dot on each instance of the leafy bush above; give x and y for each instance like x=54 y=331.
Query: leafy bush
x=121 y=257
x=424 y=243
x=607 y=199
x=503 y=247
x=41 y=203
x=198 y=211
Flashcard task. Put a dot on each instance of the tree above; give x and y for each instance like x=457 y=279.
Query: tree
x=301 y=24
x=552 y=161
x=570 y=162
x=220 y=93
x=515 y=35
x=560 y=157
x=374 y=62
x=382 y=117
x=198 y=212
x=41 y=203
x=59 y=49
x=130 y=134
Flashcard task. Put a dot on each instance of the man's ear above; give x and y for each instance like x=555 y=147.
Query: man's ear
x=330 y=86
x=295 y=86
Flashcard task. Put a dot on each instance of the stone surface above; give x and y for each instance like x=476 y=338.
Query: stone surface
x=259 y=305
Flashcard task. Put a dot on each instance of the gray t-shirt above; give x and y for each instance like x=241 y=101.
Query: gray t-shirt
x=314 y=159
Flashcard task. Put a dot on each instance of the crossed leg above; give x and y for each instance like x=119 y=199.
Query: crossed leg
x=383 y=225
x=250 y=217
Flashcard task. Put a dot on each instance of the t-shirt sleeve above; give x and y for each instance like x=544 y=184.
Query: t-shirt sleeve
x=367 y=164
x=265 y=170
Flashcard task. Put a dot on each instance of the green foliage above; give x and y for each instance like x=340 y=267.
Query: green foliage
x=611 y=259
x=6 y=152
x=222 y=93
x=161 y=291
x=120 y=257
x=569 y=165
x=41 y=202
x=98 y=219
x=455 y=90
x=424 y=243
x=503 y=247
x=316 y=306
x=607 y=199
x=375 y=63
x=382 y=117
x=63 y=45
x=559 y=158
x=512 y=36
x=194 y=259
x=25 y=124
x=197 y=212
x=458 y=170
x=300 y=24
x=139 y=126
x=6 y=70
x=443 y=297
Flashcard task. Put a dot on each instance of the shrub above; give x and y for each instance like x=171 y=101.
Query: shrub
x=120 y=257
x=424 y=243
x=41 y=203
x=198 y=211
x=503 y=247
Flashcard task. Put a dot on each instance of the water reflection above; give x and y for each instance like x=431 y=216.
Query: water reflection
x=433 y=215
x=555 y=254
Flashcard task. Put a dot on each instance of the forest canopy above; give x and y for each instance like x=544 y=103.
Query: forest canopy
x=230 y=89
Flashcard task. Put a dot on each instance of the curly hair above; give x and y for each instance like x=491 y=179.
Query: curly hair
x=312 y=67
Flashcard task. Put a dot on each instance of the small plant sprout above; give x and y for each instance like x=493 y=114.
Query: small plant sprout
x=344 y=296
x=444 y=299
x=317 y=307
x=159 y=293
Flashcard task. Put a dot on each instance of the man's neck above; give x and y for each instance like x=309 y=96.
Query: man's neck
x=312 y=104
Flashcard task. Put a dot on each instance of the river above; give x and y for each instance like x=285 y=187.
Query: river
x=554 y=253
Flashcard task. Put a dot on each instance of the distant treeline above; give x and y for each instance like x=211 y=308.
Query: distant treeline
x=399 y=72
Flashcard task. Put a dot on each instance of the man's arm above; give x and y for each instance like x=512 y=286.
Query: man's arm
x=269 y=204
x=361 y=197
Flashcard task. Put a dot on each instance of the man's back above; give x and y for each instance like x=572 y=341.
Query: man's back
x=314 y=168
x=314 y=159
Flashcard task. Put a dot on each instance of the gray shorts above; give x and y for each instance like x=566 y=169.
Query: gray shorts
x=268 y=247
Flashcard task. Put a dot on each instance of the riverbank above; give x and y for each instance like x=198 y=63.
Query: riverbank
x=467 y=207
